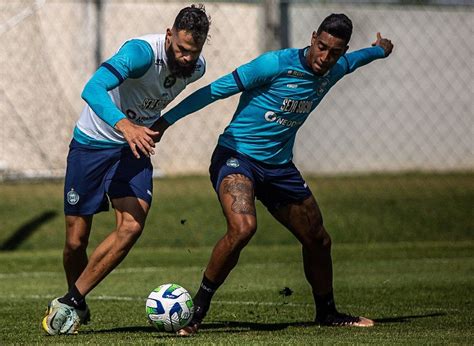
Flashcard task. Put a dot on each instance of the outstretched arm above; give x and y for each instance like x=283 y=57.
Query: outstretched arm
x=248 y=76
x=381 y=48
x=219 y=89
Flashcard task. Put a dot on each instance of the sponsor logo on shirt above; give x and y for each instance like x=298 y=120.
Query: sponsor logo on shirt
x=154 y=104
x=295 y=73
x=296 y=106
x=273 y=117
x=140 y=118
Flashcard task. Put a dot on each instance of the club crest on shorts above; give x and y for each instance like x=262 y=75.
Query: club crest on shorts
x=232 y=162
x=72 y=197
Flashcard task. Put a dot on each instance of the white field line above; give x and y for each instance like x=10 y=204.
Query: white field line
x=47 y=298
x=138 y=299
x=138 y=270
x=116 y=271
x=158 y=268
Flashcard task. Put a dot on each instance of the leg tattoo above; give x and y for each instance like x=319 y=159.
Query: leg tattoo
x=241 y=191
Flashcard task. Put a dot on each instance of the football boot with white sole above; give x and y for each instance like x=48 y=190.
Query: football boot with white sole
x=60 y=319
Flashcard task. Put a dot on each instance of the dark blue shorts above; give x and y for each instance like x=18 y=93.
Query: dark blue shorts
x=93 y=174
x=274 y=185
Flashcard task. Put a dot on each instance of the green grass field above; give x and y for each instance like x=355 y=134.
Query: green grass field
x=403 y=255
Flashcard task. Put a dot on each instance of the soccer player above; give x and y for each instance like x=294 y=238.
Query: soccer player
x=109 y=156
x=253 y=157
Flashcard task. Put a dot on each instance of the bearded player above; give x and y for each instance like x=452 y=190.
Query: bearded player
x=109 y=156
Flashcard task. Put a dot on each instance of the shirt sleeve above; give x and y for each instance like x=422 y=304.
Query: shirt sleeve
x=354 y=60
x=132 y=61
x=221 y=88
x=258 y=72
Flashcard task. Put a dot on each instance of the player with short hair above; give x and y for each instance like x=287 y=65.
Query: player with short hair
x=109 y=156
x=253 y=157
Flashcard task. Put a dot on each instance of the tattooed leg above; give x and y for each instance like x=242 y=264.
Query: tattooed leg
x=240 y=190
x=236 y=194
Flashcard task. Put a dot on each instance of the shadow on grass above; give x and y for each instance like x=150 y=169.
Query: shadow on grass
x=26 y=230
x=229 y=326
x=239 y=327
x=402 y=319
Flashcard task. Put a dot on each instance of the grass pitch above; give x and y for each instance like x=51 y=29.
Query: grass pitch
x=403 y=255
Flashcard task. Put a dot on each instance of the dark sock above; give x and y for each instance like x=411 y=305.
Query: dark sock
x=74 y=298
x=325 y=305
x=202 y=299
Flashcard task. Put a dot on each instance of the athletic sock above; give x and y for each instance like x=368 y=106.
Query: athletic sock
x=203 y=297
x=325 y=305
x=74 y=298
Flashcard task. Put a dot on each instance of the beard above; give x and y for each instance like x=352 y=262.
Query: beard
x=178 y=70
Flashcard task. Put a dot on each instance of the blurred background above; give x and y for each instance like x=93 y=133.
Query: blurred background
x=388 y=153
x=411 y=112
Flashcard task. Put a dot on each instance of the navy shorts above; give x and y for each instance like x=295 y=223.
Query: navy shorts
x=93 y=174
x=274 y=185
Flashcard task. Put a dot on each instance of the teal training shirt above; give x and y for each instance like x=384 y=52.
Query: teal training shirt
x=279 y=91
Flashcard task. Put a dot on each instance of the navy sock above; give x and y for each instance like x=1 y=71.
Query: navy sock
x=74 y=298
x=325 y=305
x=203 y=297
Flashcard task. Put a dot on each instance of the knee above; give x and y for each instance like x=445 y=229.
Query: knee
x=240 y=233
x=77 y=236
x=319 y=238
x=130 y=228
x=75 y=244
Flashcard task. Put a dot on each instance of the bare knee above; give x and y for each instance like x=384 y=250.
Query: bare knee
x=75 y=245
x=77 y=233
x=318 y=238
x=130 y=229
x=240 y=233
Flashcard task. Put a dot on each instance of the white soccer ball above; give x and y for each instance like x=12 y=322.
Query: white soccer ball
x=169 y=308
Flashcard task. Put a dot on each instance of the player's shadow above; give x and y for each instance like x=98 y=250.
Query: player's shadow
x=26 y=230
x=227 y=326
x=240 y=327
x=404 y=319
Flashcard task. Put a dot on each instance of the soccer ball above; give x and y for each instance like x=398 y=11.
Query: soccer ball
x=169 y=308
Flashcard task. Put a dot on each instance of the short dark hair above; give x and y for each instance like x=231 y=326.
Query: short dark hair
x=194 y=20
x=338 y=25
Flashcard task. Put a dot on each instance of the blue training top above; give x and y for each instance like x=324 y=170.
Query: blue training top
x=279 y=91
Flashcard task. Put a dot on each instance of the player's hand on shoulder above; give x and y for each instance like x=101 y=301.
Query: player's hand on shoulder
x=385 y=43
x=137 y=137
